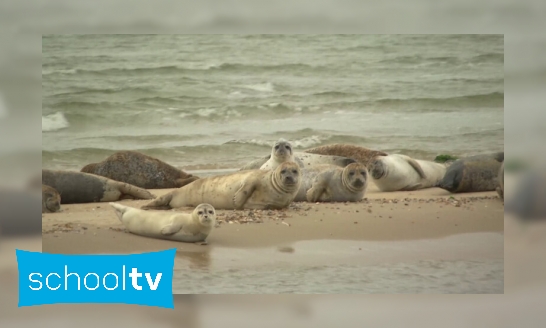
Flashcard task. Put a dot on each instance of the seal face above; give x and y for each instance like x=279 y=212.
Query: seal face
x=252 y=189
x=78 y=187
x=398 y=172
x=473 y=174
x=280 y=153
x=184 y=227
x=51 y=200
x=140 y=170
x=329 y=183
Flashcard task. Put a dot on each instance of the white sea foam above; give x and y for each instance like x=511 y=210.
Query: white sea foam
x=306 y=142
x=261 y=87
x=54 y=122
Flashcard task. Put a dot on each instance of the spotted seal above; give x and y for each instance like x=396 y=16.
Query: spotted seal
x=140 y=170
x=252 y=189
x=330 y=183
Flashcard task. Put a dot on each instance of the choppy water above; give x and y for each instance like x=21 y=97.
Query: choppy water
x=217 y=101
x=472 y=263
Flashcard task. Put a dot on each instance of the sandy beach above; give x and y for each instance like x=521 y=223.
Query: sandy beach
x=423 y=214
x=401 y=242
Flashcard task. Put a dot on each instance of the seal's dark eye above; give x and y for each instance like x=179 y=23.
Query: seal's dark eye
x=277 y=147
x=351 y=173
x=295 y=171
x=200 y=212
x=363 y=172
x=287 y=147
x=283 y=171
x=210 y=212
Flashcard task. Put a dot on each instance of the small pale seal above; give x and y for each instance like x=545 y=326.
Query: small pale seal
x=398 y=172
x=360 y=154
x=280 y=153
x=330 y=183
x=185 y=227
x=253 y=189
x=51 y=200
x=473 y=174
x=140 y=170
x=78 y=187
x=500 y=178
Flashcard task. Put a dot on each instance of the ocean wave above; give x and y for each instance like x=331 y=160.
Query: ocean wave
x=421 y=105
x=54 y=122
x=479 y=100
x=304 y=142
x=262 y=87
x=178 y=69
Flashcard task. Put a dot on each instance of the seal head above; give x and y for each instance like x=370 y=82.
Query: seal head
x=286 y=178
x=355 y=177
x=205 y=215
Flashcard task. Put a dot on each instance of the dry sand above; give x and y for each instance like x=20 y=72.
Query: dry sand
x=423 y=214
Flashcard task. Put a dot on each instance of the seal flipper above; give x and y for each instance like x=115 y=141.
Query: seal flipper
x=315 y=192
x=171 y=228
x=185 y=181
x=134 y=191
x=161 y=203
x=416 y=167
x=243 y=194
x=119 y=210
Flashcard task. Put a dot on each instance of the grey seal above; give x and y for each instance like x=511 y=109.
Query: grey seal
x=78 y=187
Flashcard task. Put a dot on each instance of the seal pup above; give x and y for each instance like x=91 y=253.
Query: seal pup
x=500 y=178
x=51 y=200
x=253 y=189
x=330 y=183
x=140 y=170
x=398 y=172
x=280 y=153
x=78 y=187
x=303 y=160
x=177 y=226
x=473 y=174
x=360 y=154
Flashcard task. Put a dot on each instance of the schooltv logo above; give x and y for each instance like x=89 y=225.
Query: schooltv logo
x=141 y=279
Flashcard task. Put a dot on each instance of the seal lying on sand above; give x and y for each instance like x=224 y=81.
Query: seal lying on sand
x=500 y=178
x=51 y=200
x=78 y=187
x=330 y=183
x=177 y=226
x=473 y=174
x=360 y=154
x=253 y=189
x=140 y=170
x=280 y=153
x=398 y=172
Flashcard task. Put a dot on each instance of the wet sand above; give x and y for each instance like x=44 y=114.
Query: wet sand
x=426 y=241
x=423 y=214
